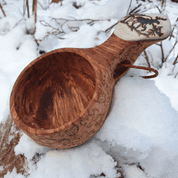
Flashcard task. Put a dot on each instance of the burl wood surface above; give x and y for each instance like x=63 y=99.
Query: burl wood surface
x=62 y=98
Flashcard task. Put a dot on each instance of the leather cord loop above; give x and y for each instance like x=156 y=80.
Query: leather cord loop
x=143 y=68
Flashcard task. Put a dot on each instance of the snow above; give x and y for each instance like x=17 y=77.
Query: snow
x=133 y=172
x=25 y=143
x=148 y=131
x=81 y=162
x=166 y=85
x=13 y=174
x=140 y=135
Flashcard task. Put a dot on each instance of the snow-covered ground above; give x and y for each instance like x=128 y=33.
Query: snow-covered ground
x=140 y=135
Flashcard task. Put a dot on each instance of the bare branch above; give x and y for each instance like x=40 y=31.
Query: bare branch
x=175 y=61
x=171 y=50
x=71 y=20
x=35 y=16
x=74 y=29
x=162 y=53
x=108 y=29
x=54 y=30
x=135 y=9
x=171 y=35
x=159 y=9
x=147 y=59
x=129 y=7
x=44 y=23
x=41 y=5
x=2 y=10
x=90 y=22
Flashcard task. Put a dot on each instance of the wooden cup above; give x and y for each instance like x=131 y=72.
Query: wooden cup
x=62 y=98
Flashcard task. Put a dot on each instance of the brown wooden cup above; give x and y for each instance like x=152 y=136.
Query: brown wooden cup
x=62 y=98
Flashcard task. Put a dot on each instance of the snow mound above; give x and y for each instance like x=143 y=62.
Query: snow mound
x=83 y=161
x=142 y=126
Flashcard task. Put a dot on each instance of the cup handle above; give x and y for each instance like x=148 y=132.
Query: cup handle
x=143 y=27
x=143 y=68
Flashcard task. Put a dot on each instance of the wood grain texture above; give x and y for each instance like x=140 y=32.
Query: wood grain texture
x=55 y=90
x=62 y=98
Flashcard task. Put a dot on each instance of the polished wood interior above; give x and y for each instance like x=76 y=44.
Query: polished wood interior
x=54 y=90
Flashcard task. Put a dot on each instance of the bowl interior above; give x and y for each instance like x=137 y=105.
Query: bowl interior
x=54 y=90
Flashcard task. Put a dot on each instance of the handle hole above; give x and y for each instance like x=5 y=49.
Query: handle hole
x=120 y=69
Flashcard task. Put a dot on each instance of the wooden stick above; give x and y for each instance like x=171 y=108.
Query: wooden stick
x=35 y=11
x=2 y=10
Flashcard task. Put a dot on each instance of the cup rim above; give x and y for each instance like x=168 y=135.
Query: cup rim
x=34 y=131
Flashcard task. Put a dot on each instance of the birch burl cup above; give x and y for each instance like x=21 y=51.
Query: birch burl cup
x=61 y=99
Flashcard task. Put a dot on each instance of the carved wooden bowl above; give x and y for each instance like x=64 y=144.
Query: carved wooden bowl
x=62 y=98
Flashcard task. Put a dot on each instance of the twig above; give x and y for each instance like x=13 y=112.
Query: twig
x=2 y=10
x=171 y=50
x=41 y=5
x=35 y=16
x=162 y=53
x=45 y=38
x=74 y=29
x=159 y=9
x=44 y=23
x=129 y=7
x=151 y=56
x=137 y=11
x=108 y=29
x=33 y=6
x=54 y=31
x=133 y=11
x=27 y=4
x=175 y=61
x=171 y=35
x=162 y=3
x=93 y=20
x=19 y=22
x=20 y=12
x=162 y=8
x=146 y=57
